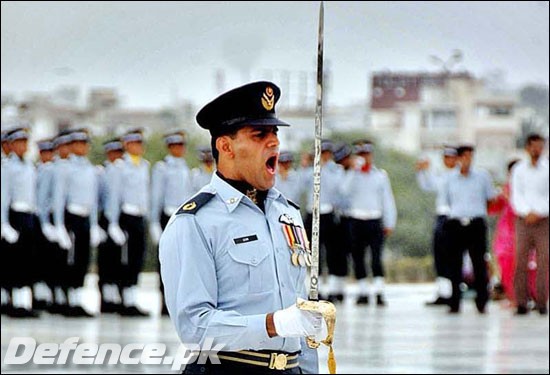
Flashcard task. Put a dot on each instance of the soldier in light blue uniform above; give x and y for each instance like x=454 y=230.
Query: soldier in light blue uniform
x=373 y=217
x=201 y=175
x=75 y=201
x=429 y=180
x=343 y=154
x=468 y=192
x=4 y=258
x=18 y=223
x=288 y=179
x=108 y=252
x=171 y=185
x=226 y=262
x=330 y=251
x=46 y=235
x=127 y=209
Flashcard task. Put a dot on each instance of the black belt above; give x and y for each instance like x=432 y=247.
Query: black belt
x=265 y=358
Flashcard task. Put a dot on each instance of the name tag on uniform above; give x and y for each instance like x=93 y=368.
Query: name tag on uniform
x=245 y=239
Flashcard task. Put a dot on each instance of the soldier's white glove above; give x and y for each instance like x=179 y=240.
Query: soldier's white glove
x=63 y=238
x=293 y=322
x=97 y=235
x=48 y=230
x=116 y=233
x=155 y=230
x=9 y=234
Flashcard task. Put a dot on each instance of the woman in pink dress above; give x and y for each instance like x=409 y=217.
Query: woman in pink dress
x=504 y=244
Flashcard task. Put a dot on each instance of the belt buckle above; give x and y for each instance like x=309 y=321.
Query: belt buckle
x=465 y=221
x=278 y=361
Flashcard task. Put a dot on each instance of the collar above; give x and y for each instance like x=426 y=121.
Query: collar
x=232 y=197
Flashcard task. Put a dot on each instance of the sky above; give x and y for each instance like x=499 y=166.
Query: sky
x=161 y=53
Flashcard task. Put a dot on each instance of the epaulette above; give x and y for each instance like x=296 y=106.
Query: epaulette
x=194 y=204
x=293 y=204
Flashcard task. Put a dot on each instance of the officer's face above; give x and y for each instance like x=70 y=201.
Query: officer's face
x=134 y=148
x=6 y=148
x=535 y=148
x=450 y=161
x=255 y=151
x=80 y=148
x=46 y=156
x=367 y=156
x=466 y=159
x=177 y=150
x=64 y=151
x=19 y=147
x=114 y=155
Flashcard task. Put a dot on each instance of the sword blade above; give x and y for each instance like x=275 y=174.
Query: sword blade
x=314 y=271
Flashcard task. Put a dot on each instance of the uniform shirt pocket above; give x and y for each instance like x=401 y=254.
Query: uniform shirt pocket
x=249 y=253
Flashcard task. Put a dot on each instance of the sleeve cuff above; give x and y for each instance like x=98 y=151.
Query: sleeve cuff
x=257 y=329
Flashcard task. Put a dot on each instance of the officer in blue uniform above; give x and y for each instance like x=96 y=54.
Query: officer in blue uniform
x=201 y=175
x=227 y=256
x=4 y=263
x=60 y=279
x=343 y=157
x=429 y=180
x=46 y=234
x=330 y=251
x=75 y=203
x=468 y=191
x=127 y=209
x=171 y=185
x=109 y=252
x=373 y=216
x=288 y=179
x=18 y=223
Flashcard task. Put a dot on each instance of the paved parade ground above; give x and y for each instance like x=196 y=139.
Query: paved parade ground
x=404 y=337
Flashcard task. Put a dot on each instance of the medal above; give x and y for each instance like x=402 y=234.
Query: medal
x=302 y=260
x=307 y=257
x=294 y=259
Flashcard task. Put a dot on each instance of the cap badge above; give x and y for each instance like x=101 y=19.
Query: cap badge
x=268 y=99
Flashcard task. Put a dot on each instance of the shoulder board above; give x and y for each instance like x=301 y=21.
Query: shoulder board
x=293 y=204
x=193 y=205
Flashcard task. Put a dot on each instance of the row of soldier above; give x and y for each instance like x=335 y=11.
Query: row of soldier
x=54 y=213
x=79 y=206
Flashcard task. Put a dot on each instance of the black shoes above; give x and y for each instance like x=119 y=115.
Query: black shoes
x=543 y=310
x=132 y=311
x=439 y=301
x=19 y=312
x=109 y=307
x=380 y=301
x=522 y=310
x=77 y=312
x=363 y=300
x=339 y=297
x=480 y=306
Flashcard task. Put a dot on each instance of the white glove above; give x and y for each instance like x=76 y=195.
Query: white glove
x=97 y=235
x=116 y=233
x=63 y=238
x=9 y=234
x=293 y=322
x=48 y=230
x=155 y=230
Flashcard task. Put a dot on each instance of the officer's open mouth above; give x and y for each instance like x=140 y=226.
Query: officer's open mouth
x=271 y=164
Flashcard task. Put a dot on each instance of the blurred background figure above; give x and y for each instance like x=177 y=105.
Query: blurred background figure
x=46 y=234
x=171 y=186
x=373 y=217
x=127 y=210
x=288 y=180
x=434 y=181
x=18 y=207
x=530 y=194
x=201 y=175
x=108 y=252
x=468 y=192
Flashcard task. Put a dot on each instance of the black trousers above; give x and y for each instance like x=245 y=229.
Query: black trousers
x=472 y=237
x=78 y=257
x=440 y=247
x=108 y=258
x=49 y=257
x=133 y=252
x=228 y=367
x=21 y=257
x=163 y=222
x=328 y=245
x=338 y=261
x=367 y=234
